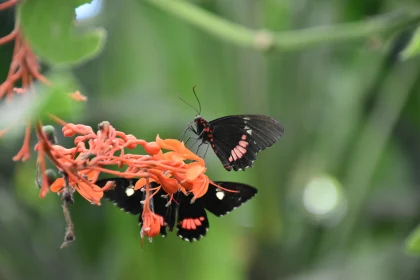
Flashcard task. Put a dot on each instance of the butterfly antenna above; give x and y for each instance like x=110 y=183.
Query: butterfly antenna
x=198 y=100
x=179 y=96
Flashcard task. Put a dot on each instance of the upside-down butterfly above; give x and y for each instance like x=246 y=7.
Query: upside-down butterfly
x=236 y=140
x=190 y=217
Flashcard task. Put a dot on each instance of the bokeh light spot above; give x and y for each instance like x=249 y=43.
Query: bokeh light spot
x=89 y=10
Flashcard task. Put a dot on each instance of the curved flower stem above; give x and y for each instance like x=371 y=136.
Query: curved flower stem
x=8 y=4
x=264 y=40
x=8 y=38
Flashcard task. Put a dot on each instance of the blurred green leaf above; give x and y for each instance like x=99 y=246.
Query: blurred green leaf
x=43 y=100
x=55 y=99
x=49 y=28
x=412 y=243
x=413 y=47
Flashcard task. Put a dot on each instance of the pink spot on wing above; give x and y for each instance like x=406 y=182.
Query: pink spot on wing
x=243 y=144
x=237 y=152
x=241 y=149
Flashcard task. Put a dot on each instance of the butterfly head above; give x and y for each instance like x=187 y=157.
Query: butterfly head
x=201 y=124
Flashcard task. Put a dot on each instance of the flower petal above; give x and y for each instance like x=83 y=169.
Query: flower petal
x=92 y=192
x=57 y=185
x=200 y=187
x=194 y=170
x=151 y=223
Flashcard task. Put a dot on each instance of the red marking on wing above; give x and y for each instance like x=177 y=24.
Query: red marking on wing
x=191 y=224
x=239 y=151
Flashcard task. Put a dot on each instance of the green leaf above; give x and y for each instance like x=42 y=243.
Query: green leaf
x=412 y=243
x=43 y=100
x=48 y=25
x=413 y=48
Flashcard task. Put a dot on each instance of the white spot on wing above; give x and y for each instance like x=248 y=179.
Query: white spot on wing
x=129 y=191
x=246 y=118
x=220 y=195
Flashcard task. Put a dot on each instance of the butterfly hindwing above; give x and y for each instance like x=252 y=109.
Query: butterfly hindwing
x=192 y=223
x=220 y=202
x=234 y=147
x=191 y=218
x=165 y=210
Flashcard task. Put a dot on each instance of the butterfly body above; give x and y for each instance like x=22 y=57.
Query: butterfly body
x=189 y=217
x=236 y=140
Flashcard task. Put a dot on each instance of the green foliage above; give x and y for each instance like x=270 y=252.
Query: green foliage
x=43 y=100
x=344 y=107
x=413 y=48
x=48 y=26
x=412 y=243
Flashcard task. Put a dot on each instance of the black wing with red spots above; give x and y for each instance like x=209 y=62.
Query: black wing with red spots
x=192 y=221
x=191 y=218
x=127 y=199
x=236 y=140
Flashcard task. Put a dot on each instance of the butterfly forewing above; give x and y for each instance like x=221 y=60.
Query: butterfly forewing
x=220 y=202
x=237 y=139
x=123 y=195
x=265 y=130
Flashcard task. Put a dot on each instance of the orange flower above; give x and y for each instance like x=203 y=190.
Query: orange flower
x=77 y=96
x=167 y=162
x=89 y=191
x=179 y=148
x=151 y=223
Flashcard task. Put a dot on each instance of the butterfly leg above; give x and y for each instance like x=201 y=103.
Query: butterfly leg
x=189 y=127
x=206 y=150
x=195 y=138
x=198 y=149
x=183 y=133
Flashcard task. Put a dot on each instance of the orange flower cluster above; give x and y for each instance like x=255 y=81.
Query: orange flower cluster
x=24 y=69
x=176 y=169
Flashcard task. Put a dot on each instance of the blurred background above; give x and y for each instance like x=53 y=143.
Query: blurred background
x=338 y=194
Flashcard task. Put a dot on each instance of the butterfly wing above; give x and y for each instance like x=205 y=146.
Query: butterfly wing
x=192 y=220
x=238 y=139
x=221 y=202
x=167 y=212
x=124 y=197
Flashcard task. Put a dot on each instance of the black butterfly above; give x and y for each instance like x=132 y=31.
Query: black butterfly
x=192 y=222
x=236 y=140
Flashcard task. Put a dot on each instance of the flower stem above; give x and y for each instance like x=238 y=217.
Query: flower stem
x=264 y=40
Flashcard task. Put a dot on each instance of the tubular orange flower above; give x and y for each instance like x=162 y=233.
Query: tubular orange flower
x=151 y=223
x=179 y=148
x=24 y=70
x=77 y=96
x=175 y=169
